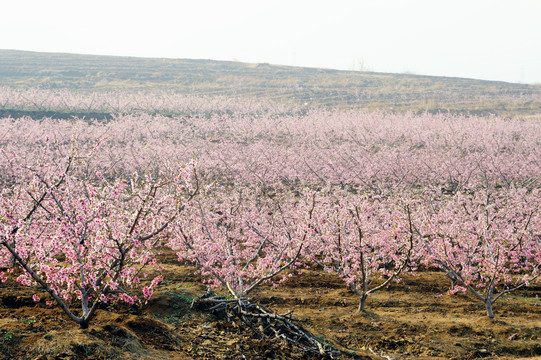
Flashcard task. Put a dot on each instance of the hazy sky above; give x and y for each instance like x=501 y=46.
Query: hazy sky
x=483 y=39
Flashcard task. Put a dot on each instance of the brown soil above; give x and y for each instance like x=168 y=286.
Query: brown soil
x=410 y=320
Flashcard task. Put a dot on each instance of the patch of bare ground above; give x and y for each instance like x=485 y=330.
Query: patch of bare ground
x=413 y=319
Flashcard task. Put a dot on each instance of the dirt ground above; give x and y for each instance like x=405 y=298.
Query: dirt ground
x=414 y=319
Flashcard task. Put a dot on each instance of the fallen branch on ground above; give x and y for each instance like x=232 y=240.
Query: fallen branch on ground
x=268 y=324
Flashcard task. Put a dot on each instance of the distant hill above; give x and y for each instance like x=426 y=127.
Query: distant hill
x=304 y=86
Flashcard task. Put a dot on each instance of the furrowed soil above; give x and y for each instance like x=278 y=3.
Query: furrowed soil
x=413 y=319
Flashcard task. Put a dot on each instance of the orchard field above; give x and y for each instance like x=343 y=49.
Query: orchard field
x=157 y=226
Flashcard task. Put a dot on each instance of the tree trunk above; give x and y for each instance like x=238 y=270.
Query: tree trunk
x=362 y=303
x=488 y=305
x=84 y=323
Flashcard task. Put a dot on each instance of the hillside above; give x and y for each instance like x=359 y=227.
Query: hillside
x=306 y=86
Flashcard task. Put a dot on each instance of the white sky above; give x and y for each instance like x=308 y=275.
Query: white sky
x=483 y=39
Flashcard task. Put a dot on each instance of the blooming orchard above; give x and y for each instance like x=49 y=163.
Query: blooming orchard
x=86 y=203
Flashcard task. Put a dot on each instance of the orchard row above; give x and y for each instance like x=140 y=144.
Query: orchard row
x=376 y=152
